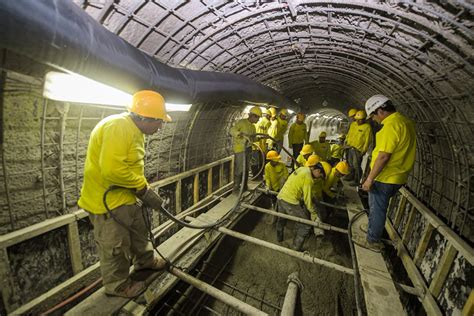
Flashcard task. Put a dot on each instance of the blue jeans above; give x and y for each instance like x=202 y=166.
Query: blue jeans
x=379 y=197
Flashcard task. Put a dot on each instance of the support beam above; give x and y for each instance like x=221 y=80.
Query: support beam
x=442 y=270
x=74 y=246
x=196 y=188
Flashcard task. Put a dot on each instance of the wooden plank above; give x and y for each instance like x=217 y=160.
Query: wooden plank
x=466 y=251
x=468 y=309
x=400 y=211
x=178 y=197
x=209 y=182
x=423 y=245
x=409 y=225
x=232 y=171
x=376 y=281
x=428 y=301
x=196 y=188
x=221 y=175
x=6 y=282
x=74 y=246
x=442 y=271
x=29 y=232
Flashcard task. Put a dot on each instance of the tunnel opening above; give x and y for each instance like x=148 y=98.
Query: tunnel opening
x=258 y=276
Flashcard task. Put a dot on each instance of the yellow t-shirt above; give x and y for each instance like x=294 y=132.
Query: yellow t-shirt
x=273 y=131
x=350 y=133
x=297 y=134
x=242 y=126
x=361 y=137
x=261 y=127
x=397 y=137
x=114 y=157
x=298 y=188
x=282 y=127
x=275 y=176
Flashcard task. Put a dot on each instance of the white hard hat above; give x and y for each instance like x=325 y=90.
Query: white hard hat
x=374 y=102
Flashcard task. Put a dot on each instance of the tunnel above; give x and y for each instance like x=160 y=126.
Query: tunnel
x=219 y=58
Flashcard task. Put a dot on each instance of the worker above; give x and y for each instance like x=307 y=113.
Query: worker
x=276 y=172
x=115 y=158
x=282 y=127
x=298 y=135
x=337 y=150
x=352 y=125
x=331 y=182
x=259 y=148
x=321 y=147
x=305 y=152
x=295 y=193
x=392 y=160
x=361 y=140
x=273 y=130
x=243 y=133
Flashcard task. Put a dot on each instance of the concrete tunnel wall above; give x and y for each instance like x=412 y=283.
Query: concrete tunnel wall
x=341 y=52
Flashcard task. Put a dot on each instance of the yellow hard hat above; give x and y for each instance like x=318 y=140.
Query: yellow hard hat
x=322 y=134
x=352 y=112
x=343 y=167
x=284 y=112
x=327 y=168
x=312 y=160
x=149 y=104
x=307 y=149
x=256 y=110
x=273 y=155
x=360 y=115
x=300 y=117
x=273 y=112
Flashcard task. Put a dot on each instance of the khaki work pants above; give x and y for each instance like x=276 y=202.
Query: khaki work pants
x=117 y=246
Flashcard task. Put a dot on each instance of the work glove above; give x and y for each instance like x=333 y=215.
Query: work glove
x=150 y=198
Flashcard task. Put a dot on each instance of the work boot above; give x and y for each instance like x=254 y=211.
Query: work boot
x=129 y=289
x=279 y=235
x=298 y=243
x=156 y=263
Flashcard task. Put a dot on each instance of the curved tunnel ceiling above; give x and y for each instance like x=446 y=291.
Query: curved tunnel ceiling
x=418 y=53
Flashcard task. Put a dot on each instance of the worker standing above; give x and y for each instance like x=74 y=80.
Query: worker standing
x=273 y=130
x=298 y=135
x=296 y=192
x=243 y=133
x=259 y=148
x=321 y=147
x=115 y=158
x=361 y=140
x=392 y=160
x=276 y=172
x=350 y=131
x=331 y=182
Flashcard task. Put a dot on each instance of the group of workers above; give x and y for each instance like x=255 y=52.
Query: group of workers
x=114 y=177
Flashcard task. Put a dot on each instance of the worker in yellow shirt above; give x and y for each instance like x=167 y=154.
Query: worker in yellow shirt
x=296 y=192
x=340 y=170
x=115 y=158
x=337 y=150
x=321 y=147
x=392 y=160
x=273 y=130
x=305 y=152
x=298 y=135
x=282 y=127
x=352 y=125
x=361 y=140
x=276 y=172
x=243 y=133
x=259 y=148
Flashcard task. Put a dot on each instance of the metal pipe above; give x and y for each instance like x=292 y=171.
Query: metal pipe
x=294 y=218
x=216 y=293
x=294 y=284
x=296 y=254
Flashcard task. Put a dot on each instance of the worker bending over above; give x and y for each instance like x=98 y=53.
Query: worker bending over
x=276 y=172
x=304 y=155
x=115 y=158
x=243 y=133
x=321 y=147
x=295 y=198
x=330 y=184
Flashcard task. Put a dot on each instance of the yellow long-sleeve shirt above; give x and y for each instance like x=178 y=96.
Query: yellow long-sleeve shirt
x=298 y=188
x=318 y=189
x=282 y=127
x=300 y=160
x=331 y=181
x=273 y=131
x=275 y=176
x=114 y=157
x=361 y=137
x=242 y=126
x=297 y=134
x=323 y=150
x=350 y=133
x=262 y=127
x=337 y=150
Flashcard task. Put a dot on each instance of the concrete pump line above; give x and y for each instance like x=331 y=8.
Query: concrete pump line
x=296 y=254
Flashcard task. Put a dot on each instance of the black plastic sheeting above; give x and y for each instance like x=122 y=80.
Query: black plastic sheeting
x=62 y=35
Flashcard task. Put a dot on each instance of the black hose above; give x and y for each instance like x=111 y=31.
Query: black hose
x=355 y=266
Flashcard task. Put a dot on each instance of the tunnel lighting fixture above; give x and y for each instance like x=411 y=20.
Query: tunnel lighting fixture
x=291 y=111
x=76 y=88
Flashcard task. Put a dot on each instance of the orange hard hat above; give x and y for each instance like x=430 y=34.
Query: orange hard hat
x=149 y=104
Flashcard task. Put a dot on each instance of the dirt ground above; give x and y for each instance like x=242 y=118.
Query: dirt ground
x=263 y=272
